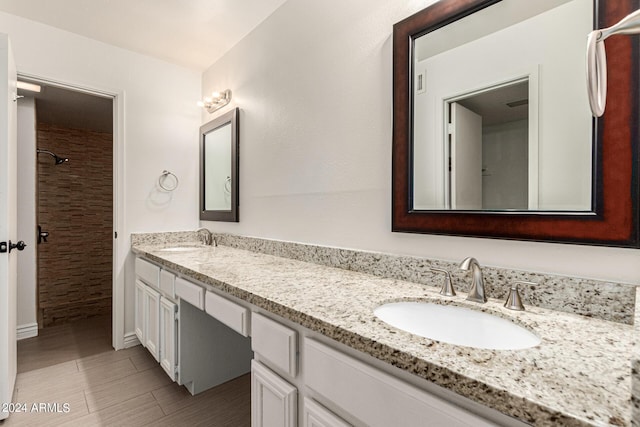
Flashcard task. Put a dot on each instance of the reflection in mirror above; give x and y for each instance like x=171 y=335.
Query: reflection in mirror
x=219 y=169
x=500 y=113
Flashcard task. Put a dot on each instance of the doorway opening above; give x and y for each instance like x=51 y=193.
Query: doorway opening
x=492 y=148
x=73 y=163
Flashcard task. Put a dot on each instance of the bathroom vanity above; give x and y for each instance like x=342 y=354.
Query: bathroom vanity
x=171 y=325
x=321 y=357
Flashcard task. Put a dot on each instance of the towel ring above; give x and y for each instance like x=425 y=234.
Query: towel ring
x=163 y=178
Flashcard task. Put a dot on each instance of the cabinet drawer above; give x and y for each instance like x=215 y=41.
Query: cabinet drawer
x=147 y=272
x=167 y=283
x=275 y=343
x=189 y=292
x=231 y=314
x=382 y=400
x=316 y=415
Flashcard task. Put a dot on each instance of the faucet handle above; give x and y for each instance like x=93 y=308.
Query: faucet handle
x=207 y=237
x=514 y=302
x=447 y=286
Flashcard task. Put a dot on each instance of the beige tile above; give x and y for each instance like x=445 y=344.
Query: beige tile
x=54 y=350
x=35 y=389
x=51 y=373
x=214 y=410
x=107 y=373
x=229 y=400
x=77 y=408
x=139 y=411
x=114 y=392
x=105 y=387
x=144 y=360
x=107 y=357
x=173 y=397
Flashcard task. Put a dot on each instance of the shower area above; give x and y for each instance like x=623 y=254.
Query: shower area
x=74 y=205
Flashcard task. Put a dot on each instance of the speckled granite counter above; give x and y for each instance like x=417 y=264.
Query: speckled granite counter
x=579 y=375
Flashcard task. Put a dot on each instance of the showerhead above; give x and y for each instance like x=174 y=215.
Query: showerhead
x=58 y=160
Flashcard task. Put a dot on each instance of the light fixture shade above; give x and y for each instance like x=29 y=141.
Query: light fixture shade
x=216 y=101
x=31 y=87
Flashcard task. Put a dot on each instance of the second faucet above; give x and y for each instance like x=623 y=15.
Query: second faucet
x=476 y=293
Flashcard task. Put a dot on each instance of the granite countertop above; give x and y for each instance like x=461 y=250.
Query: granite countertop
x=580 y=374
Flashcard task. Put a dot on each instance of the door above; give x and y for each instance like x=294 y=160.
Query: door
x=466 y=158
x=168 y=337
x=152 y=321
x=273 y=400
x=8 y=218
x=140 y=312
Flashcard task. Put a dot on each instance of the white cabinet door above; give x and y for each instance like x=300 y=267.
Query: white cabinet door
x=168 y=337
x=140 y=312
x=316 y=415
x=273 y=400
x=152 y=321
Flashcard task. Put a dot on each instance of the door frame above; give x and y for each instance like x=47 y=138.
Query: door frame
x=532 y=76
x=119 y=246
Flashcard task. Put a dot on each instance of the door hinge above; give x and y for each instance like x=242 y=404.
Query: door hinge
x=115 y=234
x=8 y=246
x=450 y=128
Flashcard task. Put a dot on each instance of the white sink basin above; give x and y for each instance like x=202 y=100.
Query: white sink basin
x=456 y=325
x=181 y=249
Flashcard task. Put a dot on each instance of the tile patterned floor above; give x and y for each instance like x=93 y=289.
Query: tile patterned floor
x=75 y=378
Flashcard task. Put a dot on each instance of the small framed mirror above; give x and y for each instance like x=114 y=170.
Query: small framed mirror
x=219 y=143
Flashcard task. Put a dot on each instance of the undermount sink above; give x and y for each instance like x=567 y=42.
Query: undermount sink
x=181 y=248
x=456 y=325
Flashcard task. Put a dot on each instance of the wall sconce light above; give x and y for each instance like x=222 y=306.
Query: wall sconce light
x=216 y=101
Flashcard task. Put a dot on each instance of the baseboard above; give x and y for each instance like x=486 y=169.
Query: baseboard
x=28 y=330
x=130 y=340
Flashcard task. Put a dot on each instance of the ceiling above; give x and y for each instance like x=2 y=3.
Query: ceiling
x=502 y=105
x=71 y=109
x=191 y=33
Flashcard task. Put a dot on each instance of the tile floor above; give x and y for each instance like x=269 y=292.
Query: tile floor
x=74 y=378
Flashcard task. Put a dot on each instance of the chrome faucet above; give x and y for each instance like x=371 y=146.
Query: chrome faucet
x=476 y=293
x=207 y=237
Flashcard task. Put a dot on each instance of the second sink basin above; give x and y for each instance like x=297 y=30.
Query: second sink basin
x=456 y=325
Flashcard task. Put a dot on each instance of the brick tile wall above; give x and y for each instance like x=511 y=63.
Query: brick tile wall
x=75 y=205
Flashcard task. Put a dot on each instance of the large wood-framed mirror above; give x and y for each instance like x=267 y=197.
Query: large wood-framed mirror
x=541 y=167
x=219 y=164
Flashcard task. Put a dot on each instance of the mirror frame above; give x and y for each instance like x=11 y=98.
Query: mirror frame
x=232 y=215
x=614 y=219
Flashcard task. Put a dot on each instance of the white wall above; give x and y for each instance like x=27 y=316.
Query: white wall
x=27 y=261
x=314 y=86
x=159 y=117
x=563 y=124
x=505 y=164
